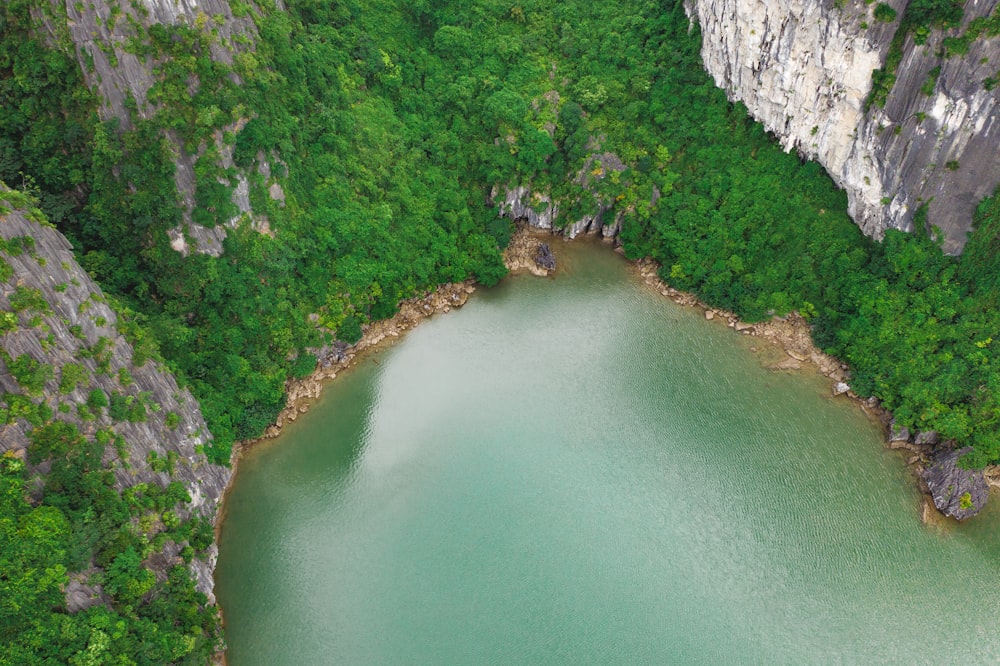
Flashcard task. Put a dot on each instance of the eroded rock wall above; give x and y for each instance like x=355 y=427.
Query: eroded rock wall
x=78 y=327
x=804 y=69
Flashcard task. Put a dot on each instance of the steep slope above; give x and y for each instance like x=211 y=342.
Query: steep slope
x=804 y=69
x=154 y=61
x=80 y=396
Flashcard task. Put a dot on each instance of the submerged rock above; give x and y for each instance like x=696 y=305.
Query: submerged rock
x=957 y=492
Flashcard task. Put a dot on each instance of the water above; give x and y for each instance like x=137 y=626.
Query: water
x=577 y=471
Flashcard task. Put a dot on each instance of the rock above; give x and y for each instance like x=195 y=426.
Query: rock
x=80 y=596
x=804 y=69
x=840 y=388
x=544 y=257
x=957 y=492
x=743 y=326
x=709 y=315
x=63 y=334
x=928 y=438
x=898 y=433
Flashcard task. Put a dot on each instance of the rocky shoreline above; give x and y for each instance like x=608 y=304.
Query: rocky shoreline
x=519 y=256
x=528 y=251
x=934 y=469
x=941 y=482
x=790 y=335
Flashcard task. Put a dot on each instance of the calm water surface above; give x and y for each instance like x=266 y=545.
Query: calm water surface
x=576 y=471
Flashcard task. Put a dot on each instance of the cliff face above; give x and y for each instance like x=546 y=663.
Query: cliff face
x=124 y=68
x=804 y=69
x=56 y=316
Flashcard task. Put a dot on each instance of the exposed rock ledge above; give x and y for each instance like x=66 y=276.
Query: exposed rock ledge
x=524 y=251
x=957 y=492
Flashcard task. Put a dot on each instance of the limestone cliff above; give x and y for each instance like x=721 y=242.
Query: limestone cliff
x=123 y=65
x=804 y=69
x=64 y=357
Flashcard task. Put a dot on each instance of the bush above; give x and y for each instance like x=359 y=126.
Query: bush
x=884 y=13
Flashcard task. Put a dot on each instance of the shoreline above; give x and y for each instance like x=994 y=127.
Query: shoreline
x=790 y=335
x=304 y=393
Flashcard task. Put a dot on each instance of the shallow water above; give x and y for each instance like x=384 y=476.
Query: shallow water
x=578 y=471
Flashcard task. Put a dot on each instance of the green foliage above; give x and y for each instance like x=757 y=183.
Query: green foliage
x=127 y=408
x=387 y=124
x=304 y=366
x=82 y=521
x=30 y=374
x=931 y=81
x=28 y=299
x=919 y=18
x=70 y=376
x=884 y=13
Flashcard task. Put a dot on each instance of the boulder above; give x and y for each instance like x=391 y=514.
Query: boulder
x=898 y=433
x=958 y=492
x=544 y=257
x=928 y=438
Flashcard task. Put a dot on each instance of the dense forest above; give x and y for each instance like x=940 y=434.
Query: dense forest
x=389 y=125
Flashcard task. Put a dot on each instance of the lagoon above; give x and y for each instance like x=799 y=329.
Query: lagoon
x=575 y=470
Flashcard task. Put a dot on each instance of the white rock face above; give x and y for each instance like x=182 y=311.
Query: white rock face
x=804 y=68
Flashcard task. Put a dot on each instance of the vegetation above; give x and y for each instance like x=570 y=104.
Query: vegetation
x=386 y=126
x=884 y=13
x=919 y=18
x=81 y=519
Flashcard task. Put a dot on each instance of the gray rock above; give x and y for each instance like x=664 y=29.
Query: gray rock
x=803 y=68
x=544 y=257
x=927 y=438
x=898 y=433
x=80 y=319
x=957 y=492
x=81 y=596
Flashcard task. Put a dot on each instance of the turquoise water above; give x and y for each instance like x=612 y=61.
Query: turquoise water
x=577 y=471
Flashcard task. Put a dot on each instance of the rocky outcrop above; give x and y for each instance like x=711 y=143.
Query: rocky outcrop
x=57 y=316
x=804 y=69
x=957 y=492
x=544 y=258
x=538 y=210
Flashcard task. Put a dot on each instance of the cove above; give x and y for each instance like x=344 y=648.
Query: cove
x=576 y=470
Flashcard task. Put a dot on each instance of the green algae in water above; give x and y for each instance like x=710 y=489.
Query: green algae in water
x=576 y=471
